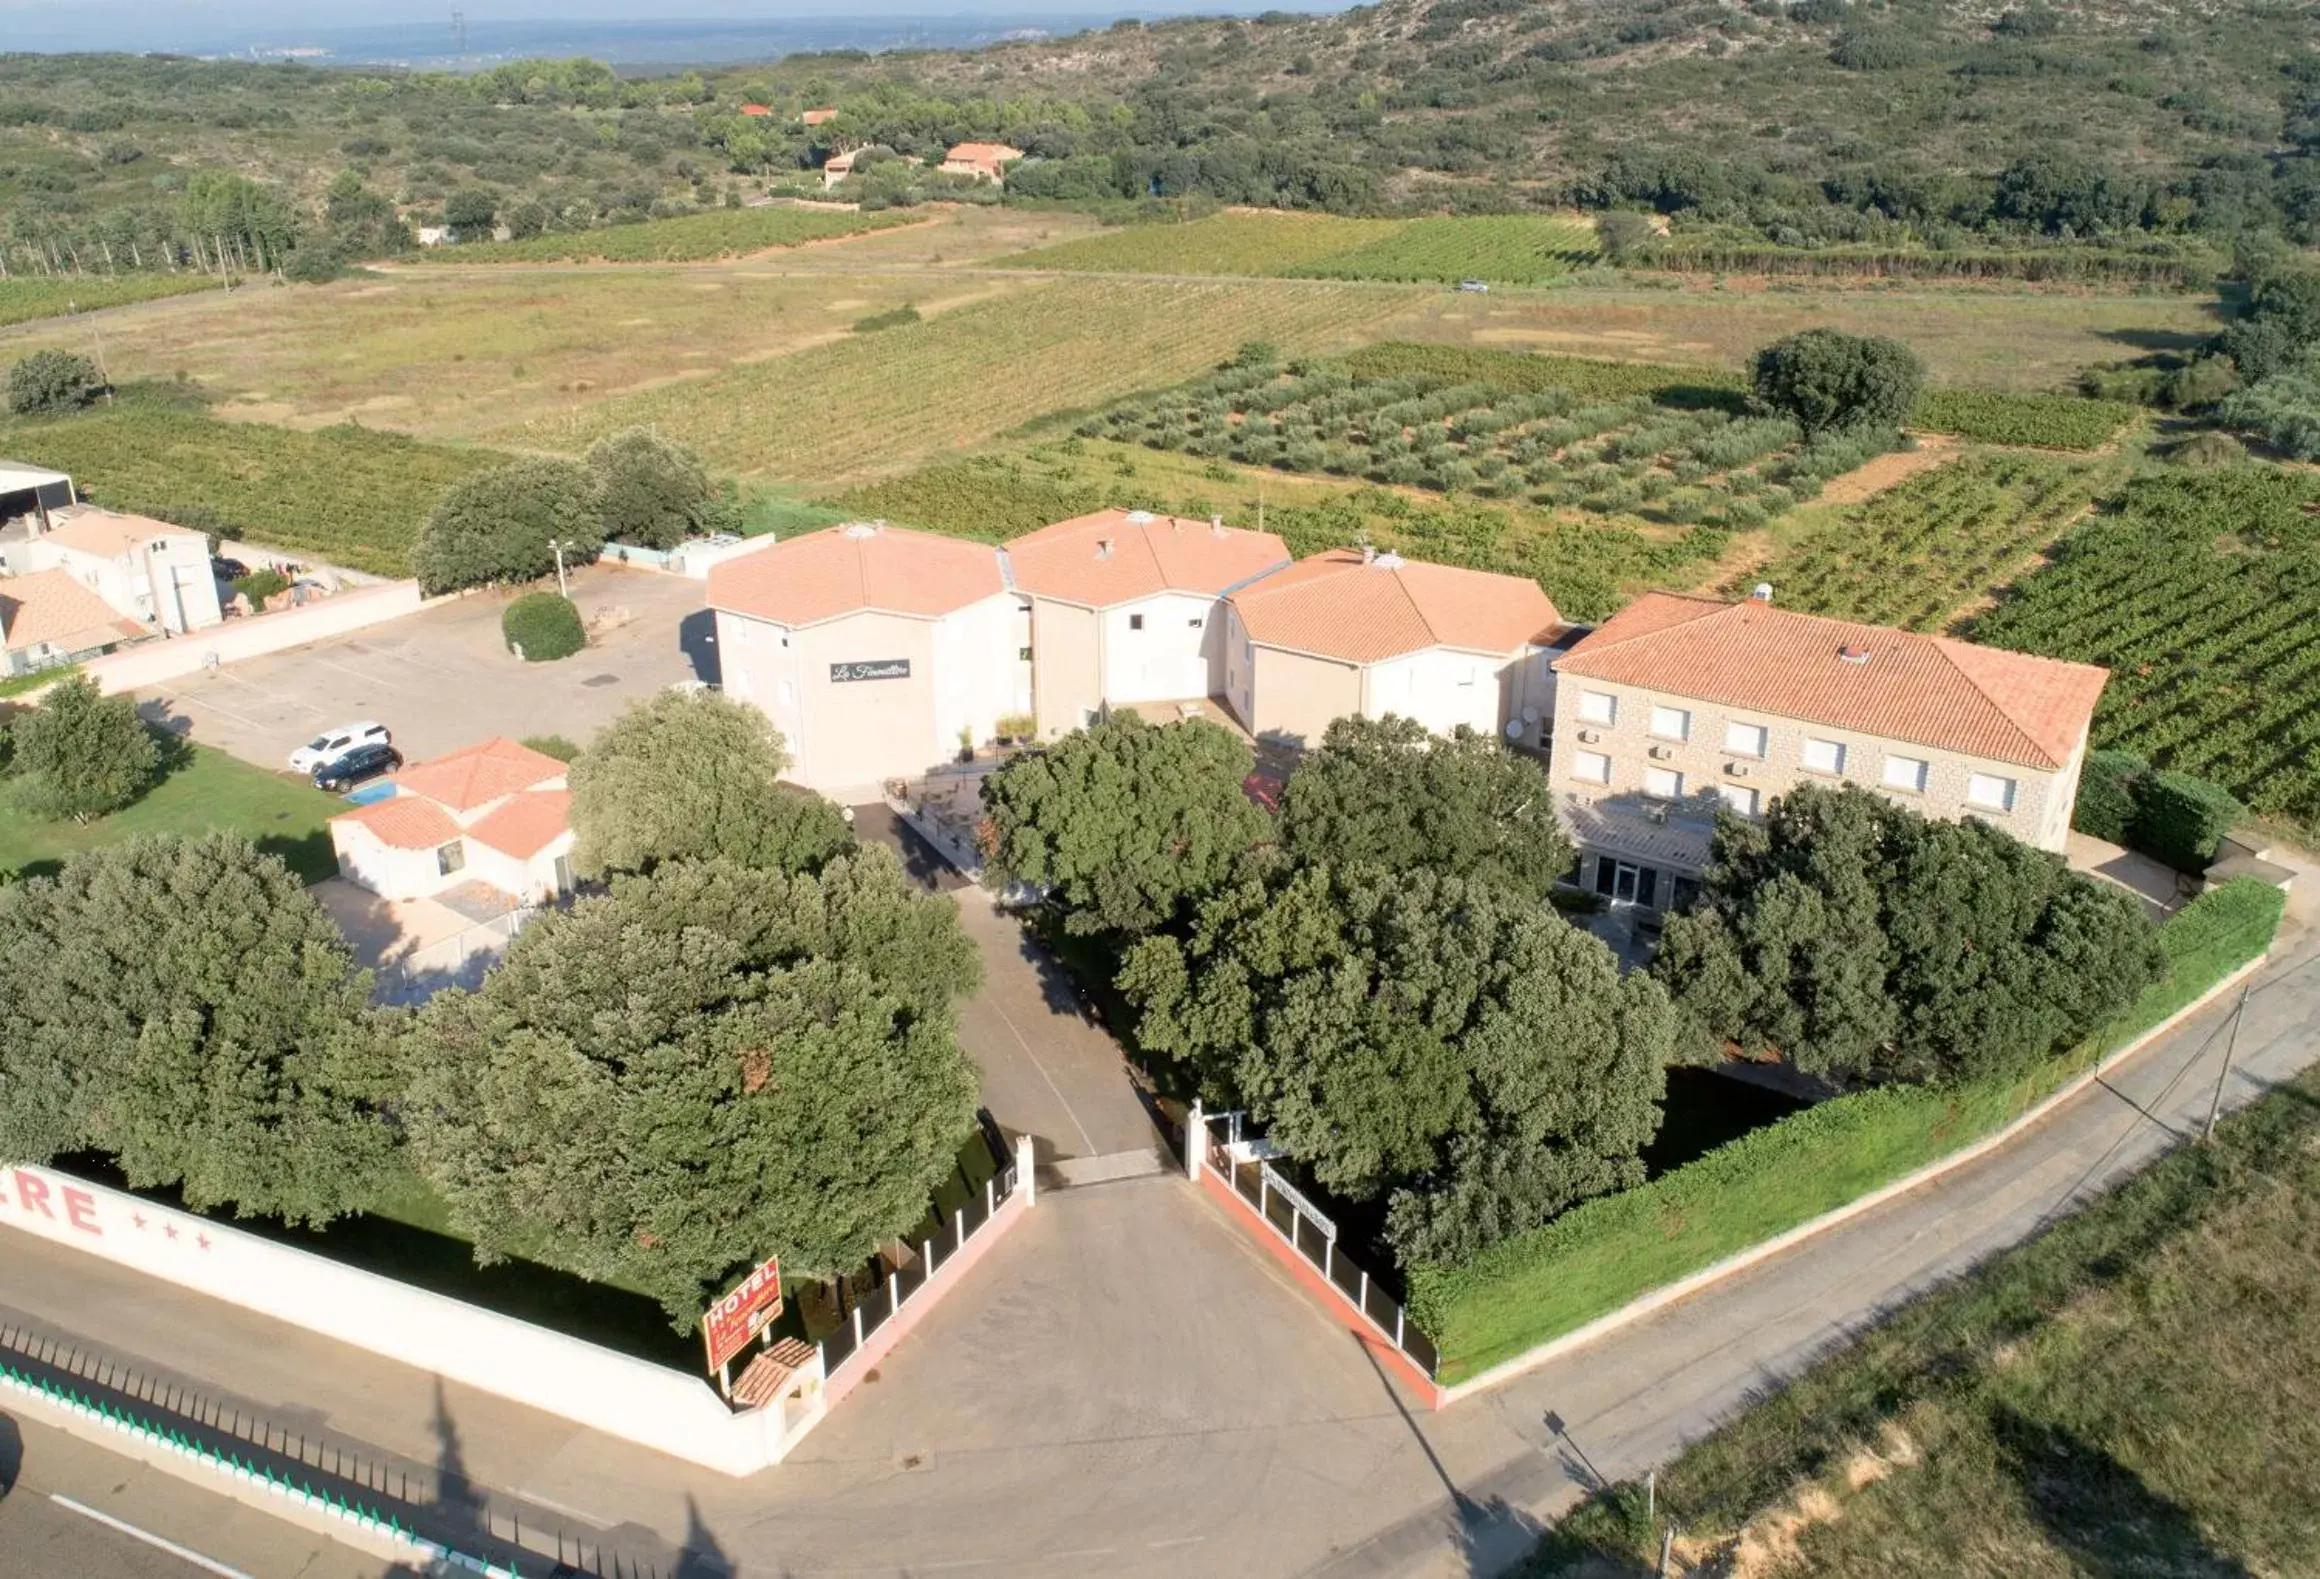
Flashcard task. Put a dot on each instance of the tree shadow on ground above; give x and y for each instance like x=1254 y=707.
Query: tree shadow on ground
x=2099 y=1511
x=2161 y=339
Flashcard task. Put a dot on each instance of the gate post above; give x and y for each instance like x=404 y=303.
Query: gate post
x=1026 y=1170
x=1195 y=1141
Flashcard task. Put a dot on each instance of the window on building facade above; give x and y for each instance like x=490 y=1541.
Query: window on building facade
x=1592 y=767
x=1135 y=622
x=1744 y=801
x=1666 y=783
x=450 y=857
x=1824 y=756
x=1599 y=707
x=1990 y=792
x=1905 y=773
x=1671 y=723
x=1746 y=740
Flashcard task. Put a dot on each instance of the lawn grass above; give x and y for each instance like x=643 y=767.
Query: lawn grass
x=689 y=238
x=346 y=495
x=27 y=300
x=1531 y=1289
x=2136 y=1391
x=874 y=405
x=210 y=789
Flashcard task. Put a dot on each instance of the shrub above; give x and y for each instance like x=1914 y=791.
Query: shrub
x=542 y=626
x=561 y=747
x=51 y=381
x=81 y=753
x=501 y=525
x=259 y=585
x=893 y=318
x=2106 y=794
x=1828 y=379
x=2180 y=819
x=651 y=492
x=2208 y=449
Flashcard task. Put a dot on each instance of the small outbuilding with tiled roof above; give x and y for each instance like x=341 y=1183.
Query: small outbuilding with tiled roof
x=1677 y=707
x=496 y=813
x=48 y=618
x=983 y=161
x=1355 y=632
x=146 y=570
x=874 y=650
x=1126 y=608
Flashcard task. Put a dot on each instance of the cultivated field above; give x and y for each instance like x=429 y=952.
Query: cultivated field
x=690 y=238
x=24 y=300
x=878 y=404
x=452 y=355
x=2201 y=593
x=1503 y=248
x=1920 y=553
x=347 y=495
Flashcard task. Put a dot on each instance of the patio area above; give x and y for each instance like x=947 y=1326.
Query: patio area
x=418 y=947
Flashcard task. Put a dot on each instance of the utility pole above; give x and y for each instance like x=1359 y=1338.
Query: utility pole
x=559 y=545
x=2230 y=1046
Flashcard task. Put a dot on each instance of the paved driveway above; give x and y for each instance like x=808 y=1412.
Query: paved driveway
x=443 y=679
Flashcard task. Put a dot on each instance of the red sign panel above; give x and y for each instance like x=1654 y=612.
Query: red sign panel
x=742 y=1314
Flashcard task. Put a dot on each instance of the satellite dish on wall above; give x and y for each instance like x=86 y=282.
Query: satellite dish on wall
x=1514 y=729
x=1530 y=715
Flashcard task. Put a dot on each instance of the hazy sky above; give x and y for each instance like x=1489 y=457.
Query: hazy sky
x=163 y=24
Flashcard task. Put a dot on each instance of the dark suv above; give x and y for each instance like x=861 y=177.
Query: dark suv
x=363 y=762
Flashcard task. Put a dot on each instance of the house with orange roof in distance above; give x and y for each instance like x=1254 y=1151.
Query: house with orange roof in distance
x=818 y=117
x=984 y=161
x=497 y=813
x=838 y=166
x=1359 y=633
x=1677 y=707
x=875 y=650
x=1127 y=608
x=145 y=570
x=756 y=109
x=48 y=619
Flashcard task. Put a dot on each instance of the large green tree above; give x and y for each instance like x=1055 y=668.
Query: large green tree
x=654 y=493
x=1828 y=379
x=1386 y=792
x=1858 y=939
x=81 y=753
x=501 y=525
x=187 y=1007
x=1454 y=1047
x=686 y=777
x=1124 y=823
x=704 y=1067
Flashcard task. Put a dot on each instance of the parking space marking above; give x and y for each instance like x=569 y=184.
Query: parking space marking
x=162 y=1543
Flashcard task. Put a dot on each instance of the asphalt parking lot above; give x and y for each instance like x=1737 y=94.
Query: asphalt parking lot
x=442 y=679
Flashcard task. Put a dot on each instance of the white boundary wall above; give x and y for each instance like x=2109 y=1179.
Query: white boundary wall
x=596 y=1387
x=256 y=636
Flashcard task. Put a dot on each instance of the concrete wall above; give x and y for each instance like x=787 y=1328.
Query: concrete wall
x=628 y=1398
x=256 y=636
x=1176 y=656
x=1067 y=665
x=1295 y=696
x=2042 y=799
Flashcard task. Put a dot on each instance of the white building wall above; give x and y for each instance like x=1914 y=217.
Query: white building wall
x=166 y=579
x=1443 y=689
x=1170 y=659
x=384 y=869
x=981 y=675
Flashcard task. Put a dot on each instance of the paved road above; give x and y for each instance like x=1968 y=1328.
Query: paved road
x=1129 y=1387
x=62 y=1518
x=443 y=678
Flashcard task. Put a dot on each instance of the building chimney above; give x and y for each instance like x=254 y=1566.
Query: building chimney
x=1763 y=592
x=1369 y=553
x=1852 y=654
x=1216 y=525
x=1103 y=548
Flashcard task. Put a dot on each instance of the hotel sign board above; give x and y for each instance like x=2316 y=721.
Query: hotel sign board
x=870 y=669
x=741 y=1315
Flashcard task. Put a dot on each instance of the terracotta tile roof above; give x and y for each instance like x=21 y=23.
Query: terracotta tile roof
x=1339 y=605
x=985 y=156
x=1930 y=690
x=817 y=117
x=527 y=824
x=805 y=580
x=405 y=822
x=50 y=606
x=478 y=775
x=1148 y=554
x=105 y=533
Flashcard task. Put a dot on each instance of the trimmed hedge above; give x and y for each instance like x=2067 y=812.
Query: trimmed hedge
x=2106 y=794
x=540 y=627
x=1601 y=1255
x=2180 y=819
